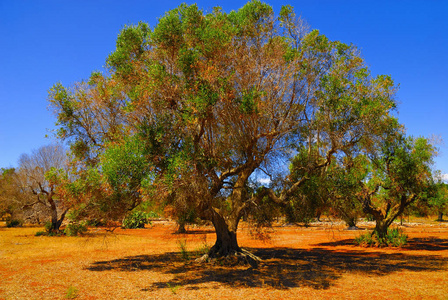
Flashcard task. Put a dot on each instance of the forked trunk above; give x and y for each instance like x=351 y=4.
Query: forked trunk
x=55 y=221
x=226 y=245
x=226 y=242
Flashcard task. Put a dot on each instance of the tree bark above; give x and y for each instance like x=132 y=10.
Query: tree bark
x=350 y=222
x=226 y=240
x=440 y=219
x=55 y=221
x=381 y=227
x=181 y=227
x=226 y=244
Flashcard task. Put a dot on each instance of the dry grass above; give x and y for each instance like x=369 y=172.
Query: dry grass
x=318 y=262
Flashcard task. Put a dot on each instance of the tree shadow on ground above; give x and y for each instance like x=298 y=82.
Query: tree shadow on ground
x=282 y=268
x=194 y=232
x=429 y=243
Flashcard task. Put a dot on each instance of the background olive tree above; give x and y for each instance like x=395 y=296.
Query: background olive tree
x=39 y=190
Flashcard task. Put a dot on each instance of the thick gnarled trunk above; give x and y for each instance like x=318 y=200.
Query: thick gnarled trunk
x=226 y=237
x=381 y=227
x=226 y=226
x=226 y=245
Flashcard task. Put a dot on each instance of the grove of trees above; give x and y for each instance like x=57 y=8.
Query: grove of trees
x=193 y=112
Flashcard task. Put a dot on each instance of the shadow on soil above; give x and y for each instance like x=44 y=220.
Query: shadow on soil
x=282 y=268
x=428 y=244
x=194 y=232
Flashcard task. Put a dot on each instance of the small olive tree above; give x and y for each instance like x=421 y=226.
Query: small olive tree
x=400 y=175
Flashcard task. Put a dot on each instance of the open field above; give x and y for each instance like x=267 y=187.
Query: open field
x=317 y=262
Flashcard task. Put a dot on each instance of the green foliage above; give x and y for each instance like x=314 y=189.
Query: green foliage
x=248 y=104
x=312 y=196
x=439 y=200
x=187 y=255
x=72 y=293
x=14 y=223
x=192 y=109
x=394 y=238
x=76 y=228
x=131 y=43
x=123 y=167
x=49 y=230
x=183 y=249
x=48 y=227
x=252 y=19
x=136 y=219
x=173 y=289
x=265 y=212
x=301 y=210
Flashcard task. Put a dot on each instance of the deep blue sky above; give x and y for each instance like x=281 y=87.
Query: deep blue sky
x=43 y=42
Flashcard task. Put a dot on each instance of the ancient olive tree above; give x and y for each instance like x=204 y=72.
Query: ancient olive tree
x=37 y=185
x=217 y=98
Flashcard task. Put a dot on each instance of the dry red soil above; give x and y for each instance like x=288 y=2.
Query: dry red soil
x=316 y=262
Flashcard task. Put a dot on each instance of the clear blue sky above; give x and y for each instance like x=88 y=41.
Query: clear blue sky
x=43 y=42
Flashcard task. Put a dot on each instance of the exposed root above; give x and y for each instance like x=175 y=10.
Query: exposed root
x=241 y=257
x=202 y=259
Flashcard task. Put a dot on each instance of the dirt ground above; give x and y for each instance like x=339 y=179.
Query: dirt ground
x=316 y=262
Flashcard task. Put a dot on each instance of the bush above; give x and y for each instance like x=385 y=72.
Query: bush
x=136 y=219
x=187 y=255
x=394 y=238
x=71 y=293
x=75 y=228
x=48 y=227
x=49 y=230
x=13 y=223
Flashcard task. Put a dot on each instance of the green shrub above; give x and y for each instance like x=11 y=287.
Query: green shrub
x=49 y=230
x=198 y=252
x=183 y=249
x=136 y=219
x=14 y=223
x=75 y=228
x=71 y=293
x=48 y=227
x=394 y=238
x=153 y=215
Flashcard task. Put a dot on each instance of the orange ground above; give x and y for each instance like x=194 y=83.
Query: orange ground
x=318 y=262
